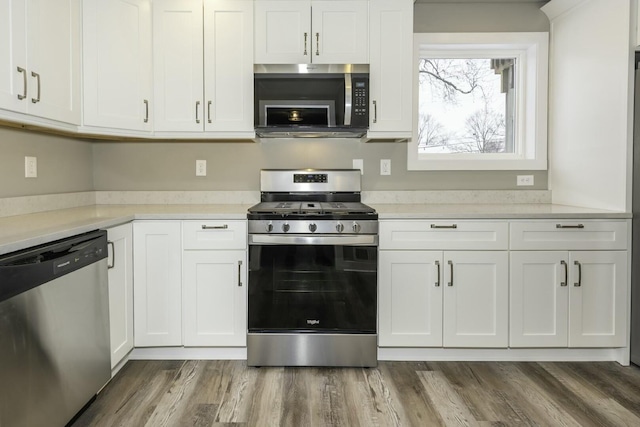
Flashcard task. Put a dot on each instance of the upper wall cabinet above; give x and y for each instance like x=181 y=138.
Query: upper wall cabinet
x=302 y=32
x=203 y=83
x=117 y=64
x=40 y=65
x=391 y=78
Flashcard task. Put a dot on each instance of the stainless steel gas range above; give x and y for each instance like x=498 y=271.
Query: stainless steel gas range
x=312 y=271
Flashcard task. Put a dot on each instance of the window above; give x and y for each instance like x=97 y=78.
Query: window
x=480 y=102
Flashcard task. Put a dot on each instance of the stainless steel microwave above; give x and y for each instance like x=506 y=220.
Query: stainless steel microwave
x=310 y=100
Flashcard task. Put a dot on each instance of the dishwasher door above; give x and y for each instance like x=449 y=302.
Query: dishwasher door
x=54 y=332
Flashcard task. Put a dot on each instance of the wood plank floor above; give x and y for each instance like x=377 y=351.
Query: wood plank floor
x=228 y=393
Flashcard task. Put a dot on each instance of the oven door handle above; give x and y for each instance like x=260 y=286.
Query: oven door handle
x=342 y=240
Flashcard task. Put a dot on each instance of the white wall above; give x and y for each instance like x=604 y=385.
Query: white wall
x=590 y=103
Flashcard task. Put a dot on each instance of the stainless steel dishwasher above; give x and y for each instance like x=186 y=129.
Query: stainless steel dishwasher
x=54 y=330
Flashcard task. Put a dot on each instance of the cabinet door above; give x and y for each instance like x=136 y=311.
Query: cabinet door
x=53 y=57
x=282 y=32
x=598 y=295
x=157 y=284
x=117 y=63
x=410 y=300
x=215 y=298
x=228 y=65
x=391 y=73
x=13 y=51
x=178 y=65
x=476 y=310
x=539 y=299
x=120 y=275
x=340 y=32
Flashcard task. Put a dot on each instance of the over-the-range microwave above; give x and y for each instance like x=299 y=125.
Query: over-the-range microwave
x=310 y=100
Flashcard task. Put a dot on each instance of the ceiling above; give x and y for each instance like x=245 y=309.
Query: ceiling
x=480 y=1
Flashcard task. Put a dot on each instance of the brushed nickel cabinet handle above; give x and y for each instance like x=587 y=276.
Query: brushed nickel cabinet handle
x=317 y=44
x=375 y=111
x=451 y=271
x=566 y=273
x=24 y=83
x=579 y=282
x=306 y=36
x=215 y=227
x=37 y=98
x=570 y=226
x=239 y=273
x=438 y=273
x=209 y=112
x=197 y=114
x=146 y=111
x=452 y=226
x=113 y=255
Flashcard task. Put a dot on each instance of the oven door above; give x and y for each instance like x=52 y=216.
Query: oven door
x=312 y=284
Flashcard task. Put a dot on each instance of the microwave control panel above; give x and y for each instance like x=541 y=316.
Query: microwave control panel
x=360 y=115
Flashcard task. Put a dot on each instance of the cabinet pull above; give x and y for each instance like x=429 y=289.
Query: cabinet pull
x=146 y=111
x=452 y=226
x=37 y=98
x=306 y=35
x=438 y=273
x=566 y=273
x=317 y=44
x=579 y=282
x=239 y=273
x=197 y=108
x=113 y=255
x=570 y=226
x=215 y=227
x=209 y=112
x=375 y=111
x=451 y=271
x=24 y=83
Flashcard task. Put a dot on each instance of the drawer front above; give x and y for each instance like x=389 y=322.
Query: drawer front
x=568 y=235
x=214 y=234
x=443 y=235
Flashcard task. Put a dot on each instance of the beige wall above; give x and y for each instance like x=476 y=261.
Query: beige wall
x=69 y=165
x=64 y=165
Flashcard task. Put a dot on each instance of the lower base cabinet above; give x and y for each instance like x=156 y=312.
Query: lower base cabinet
x=450 y=299
x=214 y=298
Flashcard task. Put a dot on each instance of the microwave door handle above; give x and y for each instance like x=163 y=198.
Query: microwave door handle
x=348 y=99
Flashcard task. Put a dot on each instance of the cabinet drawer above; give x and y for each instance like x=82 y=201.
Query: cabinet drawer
x=568 y=235
x=214 y=234
x=443 y=235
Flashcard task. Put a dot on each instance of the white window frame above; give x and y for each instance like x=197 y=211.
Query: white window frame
x=531 y=51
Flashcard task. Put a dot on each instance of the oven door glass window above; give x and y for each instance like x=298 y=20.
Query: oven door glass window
x=307 y=288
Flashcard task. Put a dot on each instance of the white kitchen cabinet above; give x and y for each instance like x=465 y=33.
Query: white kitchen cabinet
x=157 y=281
x=120 y=274
x=40 y=41
x=574 y=297
x=450 y=298
x=203 y=69
x=319 y=31
x=117 y=64
x=391 y=69
x=215 y=283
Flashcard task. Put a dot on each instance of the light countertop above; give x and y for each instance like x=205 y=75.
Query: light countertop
x=22 y=231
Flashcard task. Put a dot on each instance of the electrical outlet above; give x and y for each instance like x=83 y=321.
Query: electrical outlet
x=359 y=164
x=524 y=180
x=385 y=166
x=30 y=167
x=201 y=168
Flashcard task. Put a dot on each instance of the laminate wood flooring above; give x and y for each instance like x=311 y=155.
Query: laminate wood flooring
x=228 y=393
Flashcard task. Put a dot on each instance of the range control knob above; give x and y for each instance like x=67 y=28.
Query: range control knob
x=339 y=227
x=356 y=227
x=270 y=227
x=312 y=227
x=285 y=227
